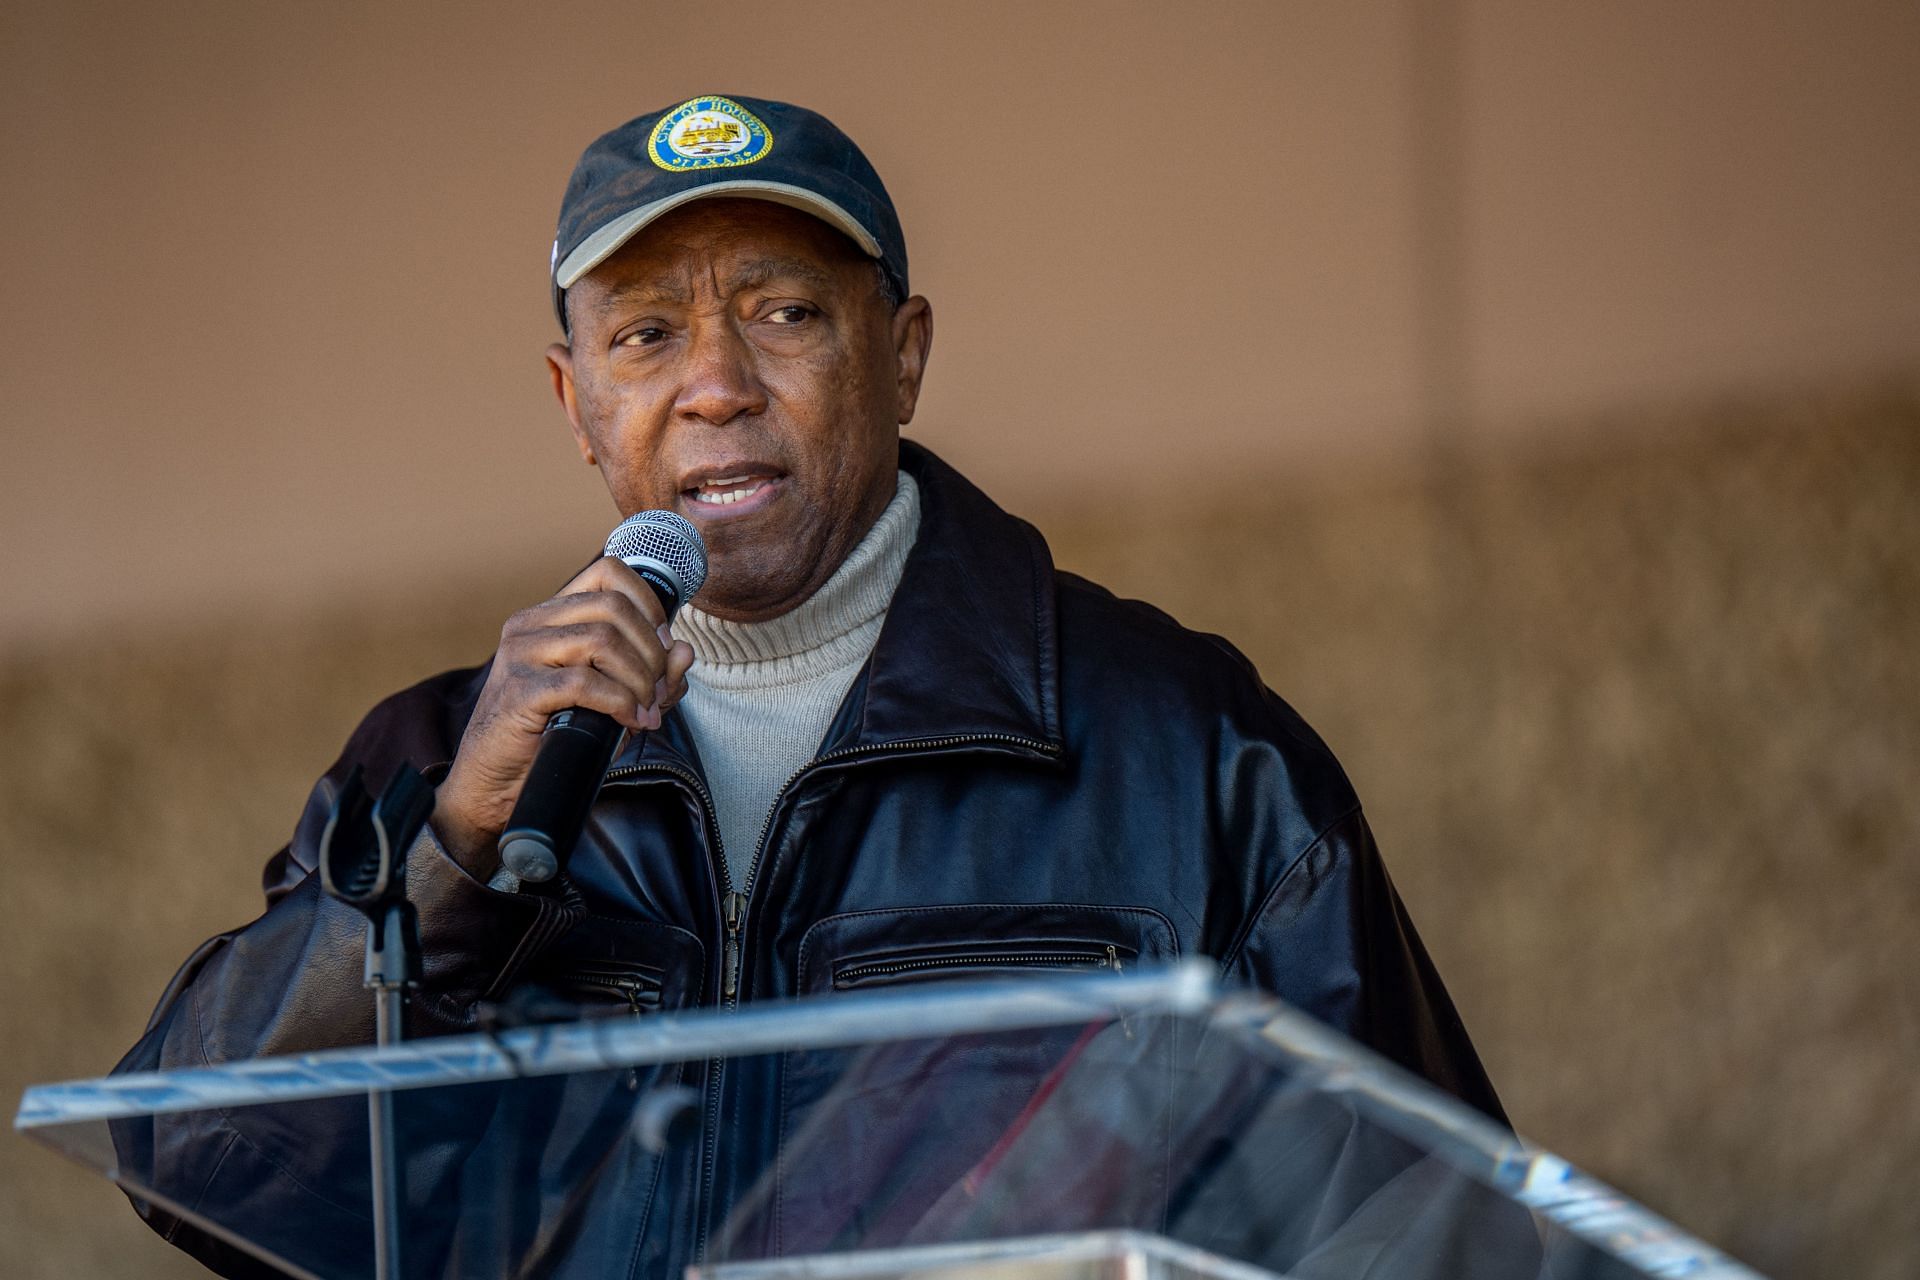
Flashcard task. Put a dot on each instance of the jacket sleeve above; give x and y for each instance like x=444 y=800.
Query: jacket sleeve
x=291 y=982
x=1332 y=938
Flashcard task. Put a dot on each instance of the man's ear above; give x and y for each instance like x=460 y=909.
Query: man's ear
x=912 y=344
x=560 y=369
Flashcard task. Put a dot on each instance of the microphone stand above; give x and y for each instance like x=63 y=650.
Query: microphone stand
x=363 y=853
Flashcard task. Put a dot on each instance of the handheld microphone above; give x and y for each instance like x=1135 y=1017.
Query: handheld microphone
x=578 y=744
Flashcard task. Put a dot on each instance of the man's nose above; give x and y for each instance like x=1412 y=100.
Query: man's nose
x=722 y=379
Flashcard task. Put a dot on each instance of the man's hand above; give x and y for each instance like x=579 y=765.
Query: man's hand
x=603 y=644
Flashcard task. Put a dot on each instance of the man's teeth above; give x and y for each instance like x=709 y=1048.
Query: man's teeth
x=715 y=493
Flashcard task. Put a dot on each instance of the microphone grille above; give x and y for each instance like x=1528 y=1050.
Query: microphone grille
x=667 y=540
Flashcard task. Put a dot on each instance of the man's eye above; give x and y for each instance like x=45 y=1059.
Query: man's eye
x=791 y=314
x=643 y=337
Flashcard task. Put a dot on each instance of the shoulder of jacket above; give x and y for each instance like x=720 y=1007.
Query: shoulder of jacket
x=1130 y=641
x=1140 y=633
x=1083 y=599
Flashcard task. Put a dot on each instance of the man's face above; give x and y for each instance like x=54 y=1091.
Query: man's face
x=736 y=362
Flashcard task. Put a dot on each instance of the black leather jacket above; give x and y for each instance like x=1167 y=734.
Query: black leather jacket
x=1029 y=772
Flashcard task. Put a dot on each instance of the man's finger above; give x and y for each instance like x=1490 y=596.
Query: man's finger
x=609 y=574
x=593 y=689
x=594 y=642
x=679 y=662
x=562 y=614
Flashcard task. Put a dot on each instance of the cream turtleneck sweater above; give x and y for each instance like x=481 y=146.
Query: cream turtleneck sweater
x=761 y=695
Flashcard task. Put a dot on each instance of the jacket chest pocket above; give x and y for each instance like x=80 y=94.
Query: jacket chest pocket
x=611 y=968
x=604 y=987
x=1039 y=957
x=890 y=947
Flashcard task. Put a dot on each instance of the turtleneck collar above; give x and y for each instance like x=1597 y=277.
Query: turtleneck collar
x=838 y=623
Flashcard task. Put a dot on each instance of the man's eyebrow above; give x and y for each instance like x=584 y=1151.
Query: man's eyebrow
x=761 y=271
x=638 y=292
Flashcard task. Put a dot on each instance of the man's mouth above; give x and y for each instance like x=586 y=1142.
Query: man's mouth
x=732 y=488
x=729 y=489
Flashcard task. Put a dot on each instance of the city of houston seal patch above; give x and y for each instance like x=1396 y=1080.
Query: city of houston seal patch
x=708 y=133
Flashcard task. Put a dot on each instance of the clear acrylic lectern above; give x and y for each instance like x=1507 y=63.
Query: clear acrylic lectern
x=1124 y=1125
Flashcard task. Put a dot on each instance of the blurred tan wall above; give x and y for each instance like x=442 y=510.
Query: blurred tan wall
x=275 y=273
x=1536 y=384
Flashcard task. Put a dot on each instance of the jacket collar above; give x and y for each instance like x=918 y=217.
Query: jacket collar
x=969 y=649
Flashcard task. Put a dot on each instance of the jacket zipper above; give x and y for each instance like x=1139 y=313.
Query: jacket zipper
x=733 y=903
x=853 y=975
x=732 y=907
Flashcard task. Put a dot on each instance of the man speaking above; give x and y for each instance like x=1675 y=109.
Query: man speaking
x=886 y=741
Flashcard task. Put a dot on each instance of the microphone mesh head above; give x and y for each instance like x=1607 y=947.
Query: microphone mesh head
x=665 y=540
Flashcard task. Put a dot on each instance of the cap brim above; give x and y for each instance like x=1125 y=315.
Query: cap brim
x=600 y=245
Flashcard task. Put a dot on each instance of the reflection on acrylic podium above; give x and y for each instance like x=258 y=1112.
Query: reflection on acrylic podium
x=1129 y=1126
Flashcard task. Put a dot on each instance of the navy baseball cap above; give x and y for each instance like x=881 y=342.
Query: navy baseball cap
x=709 y=146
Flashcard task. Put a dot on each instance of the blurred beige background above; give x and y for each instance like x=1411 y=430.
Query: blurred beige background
x=1533 y=390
